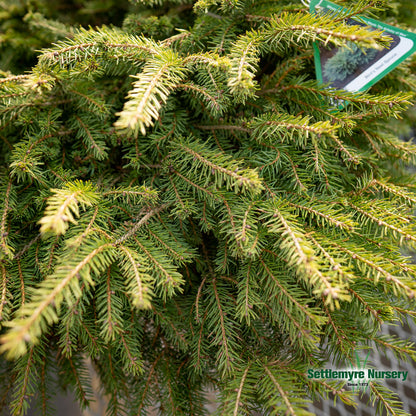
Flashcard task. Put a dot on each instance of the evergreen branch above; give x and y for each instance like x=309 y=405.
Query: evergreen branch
x=286 y=68
x=202 y=6
x=389 y=105
x=282 y=393
x=336 y=390
x=139 y=224
x=178 y=198
x=386 y=400
x=180 y=254
x=299 y=255
x=12 y=112
x=303 y=254
x=38 y=21
x=148 y=382
x=100 y=106
x=292 y=128
x=213 y=103
x=239 y=390
x=381 y=223
x=201 y=338
x=360 y=7
x=163 y=268
x=350 y=156
x=115 y=390
x=298 y=181
x=405 y=267
x=207 y=58
x=14 y=95
x=404 y=311
x=404 y=151
x=20 y=404
x=61 y=51
x=27 y=247
x=303 y=308
x=87 y=44
x=333 y=218
x=344 y=342
x=133 y=194
x=344 y=121
x=335 y=265
x=366 y=305
x=245 y=226
x=252 y=17
x=224 y=127
x=7 y=251
x=91 y=338
x=159 y=78
x=244 y=59
x=176 y=38
x=137 y=280
x=410 y=292
x=22 y=284
x=109 y=313
x=133 y=365
x=194 y=185
x=68 y=341
x=290 y=28
x=177 y=240
x=164 y=319
x=52 y=252
x=244 y=237
x=220 y=165
x=4 y=303
x=79 y=379
x=224 y=336
x=62 y=207
x=42 y=310
x=78 y=240
x=300 y=330
x=402 y=349
x=247 y=297
x=197 y=299
x=14 y=78
x=397 y=191
x=98 y=147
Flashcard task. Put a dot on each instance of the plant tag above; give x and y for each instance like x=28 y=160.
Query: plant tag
x=352 y=69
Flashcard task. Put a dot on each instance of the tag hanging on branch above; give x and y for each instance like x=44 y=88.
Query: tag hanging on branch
x=352 y=68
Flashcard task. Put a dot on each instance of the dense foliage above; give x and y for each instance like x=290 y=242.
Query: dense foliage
x=182 y=204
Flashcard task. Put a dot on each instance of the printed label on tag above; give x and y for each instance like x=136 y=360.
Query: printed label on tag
x=353 y=69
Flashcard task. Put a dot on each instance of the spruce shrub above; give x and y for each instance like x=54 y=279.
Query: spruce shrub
x=182 y=204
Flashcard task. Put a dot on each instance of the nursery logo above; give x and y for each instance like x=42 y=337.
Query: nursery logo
x=358 y=376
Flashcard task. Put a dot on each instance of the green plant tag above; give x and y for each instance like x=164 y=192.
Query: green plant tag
x=353 y=69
